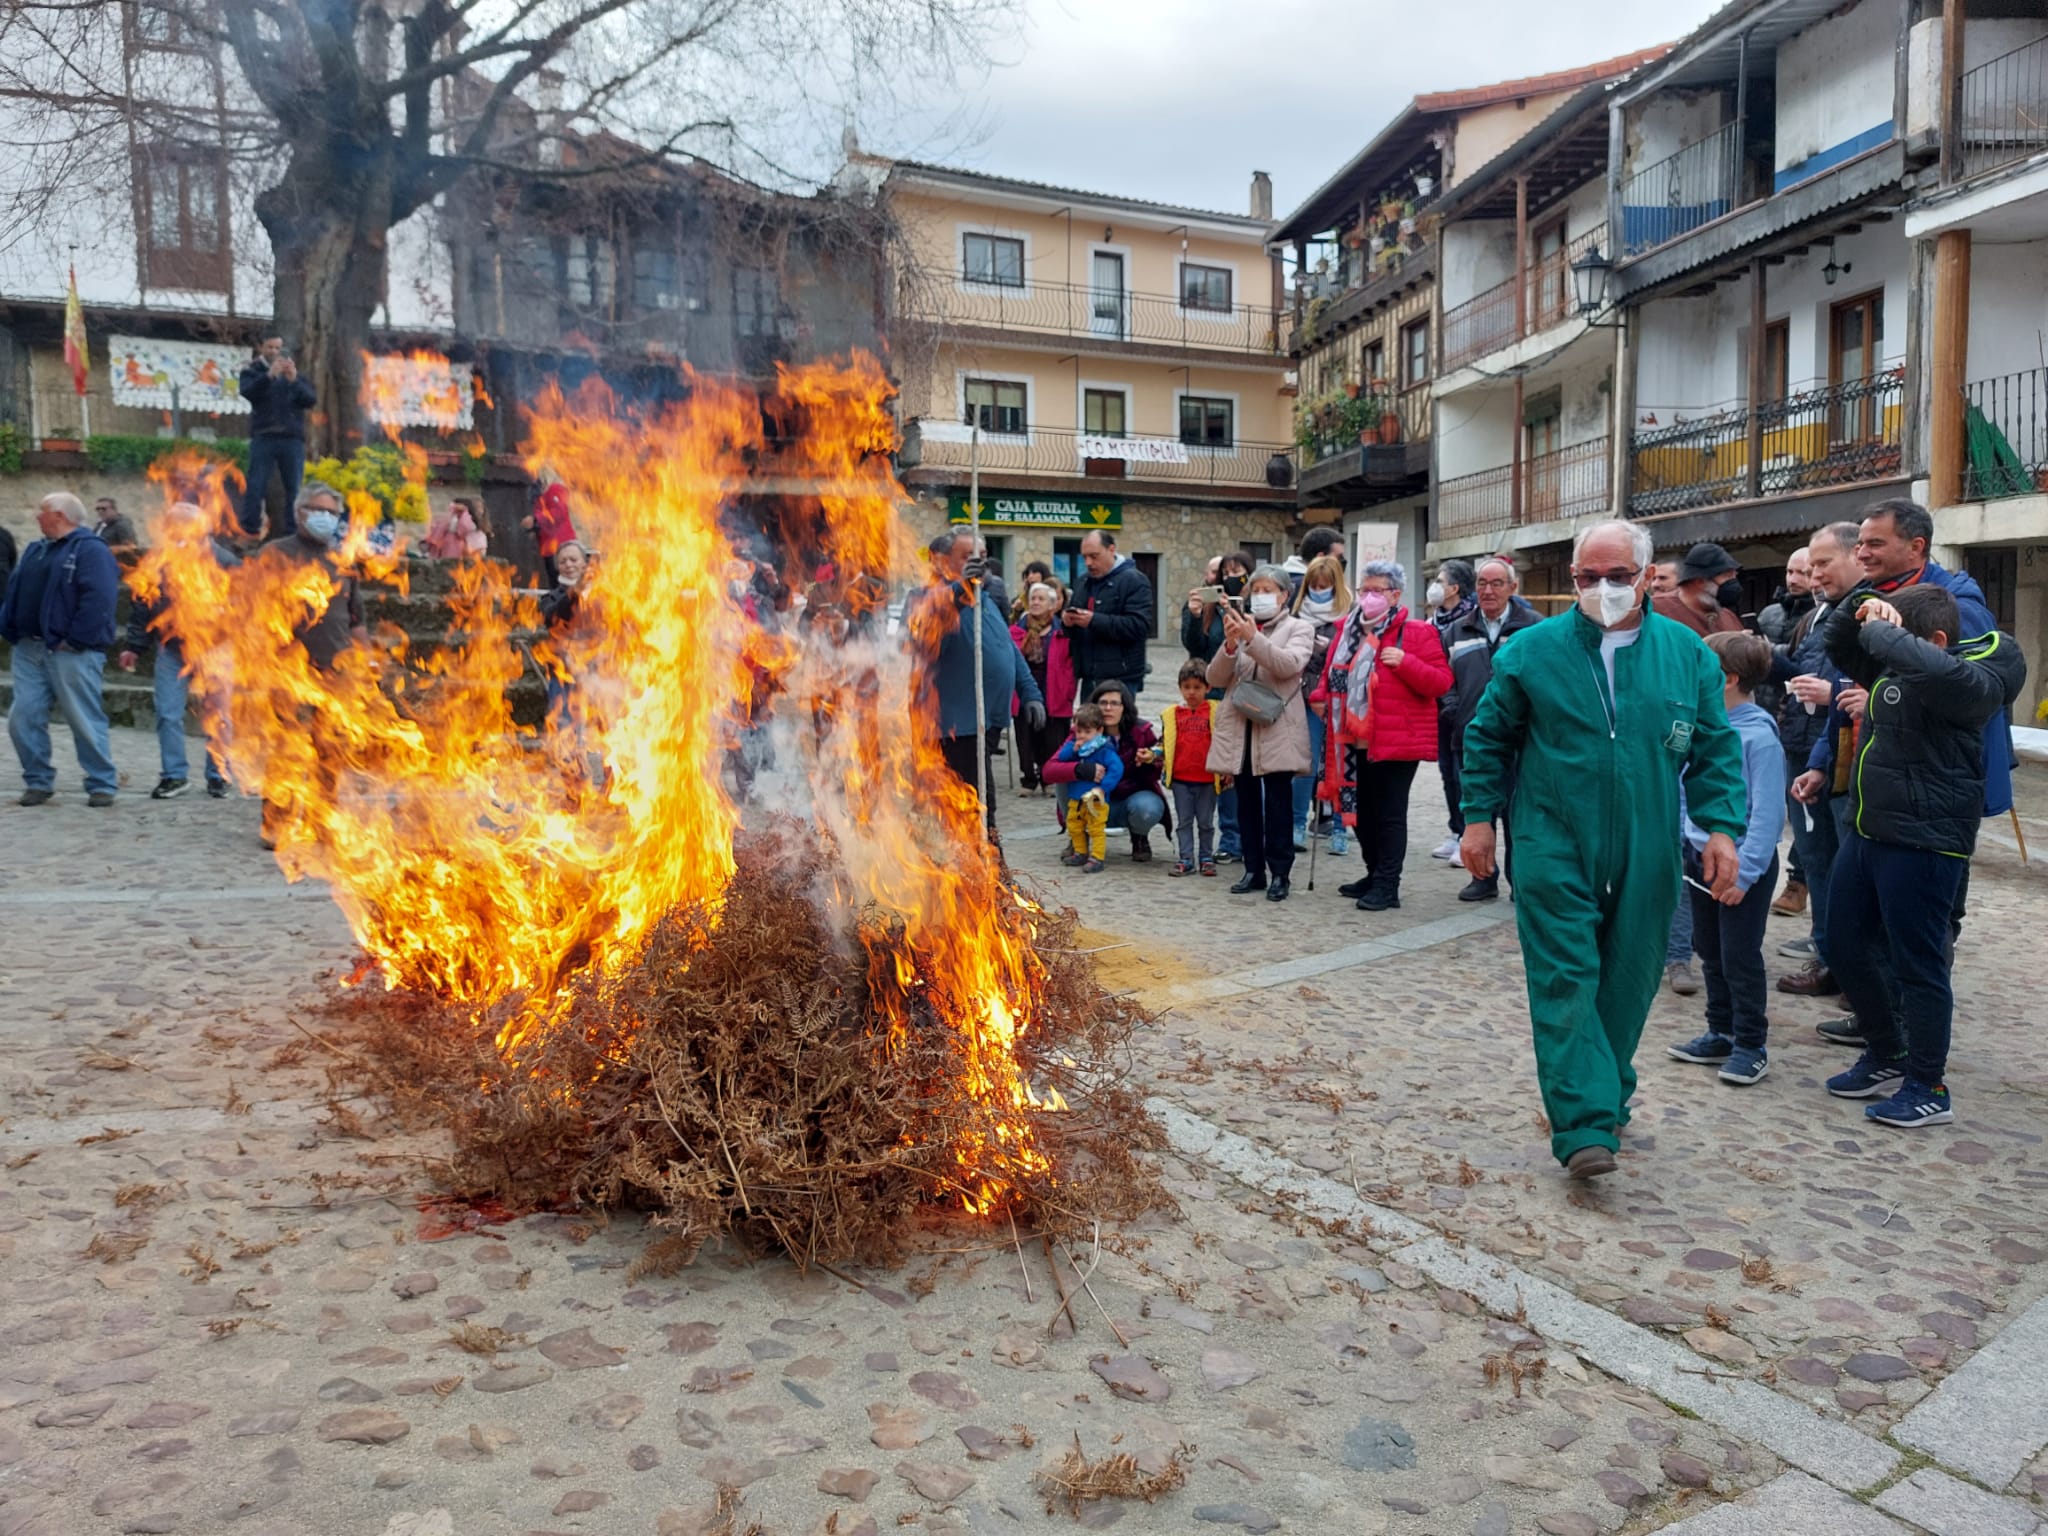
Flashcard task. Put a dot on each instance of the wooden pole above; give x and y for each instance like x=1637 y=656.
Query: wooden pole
x=1946 y=446
x=974 y=602
x=1951 y=76
x=2017 y=831
x=1521 y=430
x=1753 y=472
x=1521 y=257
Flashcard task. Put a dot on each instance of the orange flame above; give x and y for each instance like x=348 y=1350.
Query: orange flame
x=473 y=865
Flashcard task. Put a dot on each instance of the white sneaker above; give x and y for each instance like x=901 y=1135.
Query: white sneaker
x=1447 y=849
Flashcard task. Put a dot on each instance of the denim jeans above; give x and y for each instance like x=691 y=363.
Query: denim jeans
x=1814 y=849
x=1305 y=785
x=1137 y=813
x=1894 y=904
x=1226 y=824
x=1194 y=805
x=1450 y=767
x=170 y=689
x=285 y=455
x=1730 y=941
x=1678 y=945
x=69 y=681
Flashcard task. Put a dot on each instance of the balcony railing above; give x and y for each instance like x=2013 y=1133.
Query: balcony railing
x=1062 y=451
x=1833 y=434
x=2002 y=110
x=1679 y=193
x=1487 y=321
x=1565 y=484
x=1410 y=406
x=2006 y=423
x=1081 y=310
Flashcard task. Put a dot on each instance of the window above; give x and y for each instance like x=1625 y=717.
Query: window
x=1777 y=360
x=1209 y=423
x=1553 y=280
x=657 y=278
x=164 y=26
x=1102 y=412
x=1067 y=568
x=1262 y=554
x=184 y=225
x=1414 y=353
x=993 y=259
x=998 y=406
x=1855 y=342
x=1204 y=287
x=587 y=272
x=1375 y=362
x=756 y=301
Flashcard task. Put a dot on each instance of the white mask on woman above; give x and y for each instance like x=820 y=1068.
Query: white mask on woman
x=1265 y=604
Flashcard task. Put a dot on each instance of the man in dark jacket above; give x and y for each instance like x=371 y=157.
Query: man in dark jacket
x=1110 y=616
x=1918 y=793
x=939 y=621
x=171 y=687
x=1471 y=641
x=278 y=401
x=58 y=614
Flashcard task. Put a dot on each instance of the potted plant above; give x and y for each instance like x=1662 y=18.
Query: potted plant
x=1389 y=427
x=1424 y=184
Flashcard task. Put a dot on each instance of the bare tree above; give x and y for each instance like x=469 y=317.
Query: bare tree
x=346 y=117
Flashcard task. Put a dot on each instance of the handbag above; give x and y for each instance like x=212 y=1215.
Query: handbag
x=1256 y=701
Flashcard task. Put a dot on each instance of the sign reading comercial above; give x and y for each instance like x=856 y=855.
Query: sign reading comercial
x=1023 y=511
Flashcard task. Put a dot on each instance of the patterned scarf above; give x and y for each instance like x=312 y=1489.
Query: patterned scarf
x=1036 y=628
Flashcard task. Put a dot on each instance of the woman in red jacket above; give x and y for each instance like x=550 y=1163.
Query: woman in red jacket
x=1378 y=694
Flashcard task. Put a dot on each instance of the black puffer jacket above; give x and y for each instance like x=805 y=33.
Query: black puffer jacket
x=1471 y=655
x=1918 y=779
x=1807 y=655
x=1113 y=643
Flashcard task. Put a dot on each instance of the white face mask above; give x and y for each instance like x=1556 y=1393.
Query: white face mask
x=1609 y=603
x=1265 y=604
x=1435 y=594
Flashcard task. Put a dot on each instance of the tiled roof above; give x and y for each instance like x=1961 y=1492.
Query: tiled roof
x=1539 y=85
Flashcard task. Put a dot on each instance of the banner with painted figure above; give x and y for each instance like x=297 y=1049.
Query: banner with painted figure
x=420 y=390
x=207 y=374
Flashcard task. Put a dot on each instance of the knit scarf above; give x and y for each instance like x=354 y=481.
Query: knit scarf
x=1350 y=674
x=1036 y=628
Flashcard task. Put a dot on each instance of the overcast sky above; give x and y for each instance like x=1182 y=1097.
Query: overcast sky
x=1180 y=100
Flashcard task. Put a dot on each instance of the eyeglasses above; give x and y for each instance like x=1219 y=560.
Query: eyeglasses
x=1494 y=585
x=1620 y=576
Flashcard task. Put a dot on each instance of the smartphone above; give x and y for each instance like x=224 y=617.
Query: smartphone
x=1209 y=594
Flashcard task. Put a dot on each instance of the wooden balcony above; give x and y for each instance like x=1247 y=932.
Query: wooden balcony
x=1536 y=298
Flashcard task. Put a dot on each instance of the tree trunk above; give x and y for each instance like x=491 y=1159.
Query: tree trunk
x=330 y=239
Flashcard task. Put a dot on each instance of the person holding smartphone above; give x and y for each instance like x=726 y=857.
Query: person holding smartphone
x=278 y=401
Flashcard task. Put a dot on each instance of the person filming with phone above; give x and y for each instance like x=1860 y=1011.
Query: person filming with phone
x=278 y=401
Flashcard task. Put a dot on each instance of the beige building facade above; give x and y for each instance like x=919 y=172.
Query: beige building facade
x=1095 y=362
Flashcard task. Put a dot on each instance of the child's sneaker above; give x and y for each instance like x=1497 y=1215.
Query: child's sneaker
x=1745 y=1065
x=1914 y=1104
x=1339 y=843
x=1868 y=1079
x=1181 y=869
x=1073 y=860
x=1708 y=1050
x=1093 y=867
x=1208 y=868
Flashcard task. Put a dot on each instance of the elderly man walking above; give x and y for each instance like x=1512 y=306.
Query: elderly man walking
x=1603 y=710
x=58 y=615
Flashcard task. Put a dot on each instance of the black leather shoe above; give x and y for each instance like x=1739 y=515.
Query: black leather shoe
x=1246 y=884
x=1480 y=890
x=1378 y=900
x=1355 y=888
x=1277 y=891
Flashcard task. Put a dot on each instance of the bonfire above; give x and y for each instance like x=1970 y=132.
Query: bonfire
x=804 y=1015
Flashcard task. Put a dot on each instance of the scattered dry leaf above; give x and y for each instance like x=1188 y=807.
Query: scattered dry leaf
x=1077 y=1480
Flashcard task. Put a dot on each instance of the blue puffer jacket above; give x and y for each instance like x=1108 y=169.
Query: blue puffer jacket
x=79 y=599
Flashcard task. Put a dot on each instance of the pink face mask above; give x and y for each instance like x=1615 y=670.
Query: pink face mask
x=1374 y=605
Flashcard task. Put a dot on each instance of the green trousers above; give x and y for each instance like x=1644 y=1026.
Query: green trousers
x=1593 y=948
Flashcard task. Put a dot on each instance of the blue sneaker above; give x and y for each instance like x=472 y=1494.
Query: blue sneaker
x=1868 y=1079
x=1707 y=1050
x=1339 y=843
x=1914 y=1104
x=1745 y=1065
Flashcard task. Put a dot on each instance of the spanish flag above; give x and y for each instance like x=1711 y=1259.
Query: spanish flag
x=76 y=357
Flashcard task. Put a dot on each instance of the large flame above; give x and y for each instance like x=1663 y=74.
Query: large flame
x=479 y=865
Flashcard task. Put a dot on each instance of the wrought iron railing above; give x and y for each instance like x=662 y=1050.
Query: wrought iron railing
x=1487 y=321
x=1681 y=192
x=1832 y=434
x=1064 y=451
x=2006 y=428
x=1567 y=483
x=2002 y=110
x=933 y=296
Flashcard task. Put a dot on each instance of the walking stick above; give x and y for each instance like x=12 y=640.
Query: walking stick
x=1315 y=827
x=980 y=686
x=2016 y=832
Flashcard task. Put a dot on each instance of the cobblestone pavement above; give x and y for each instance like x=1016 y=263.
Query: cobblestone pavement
x=1379 y=1308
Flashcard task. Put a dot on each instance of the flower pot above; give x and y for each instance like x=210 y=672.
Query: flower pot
x=1350 y=391
x=1390 y=211
x=1279 y=471
x=61 y=445
x=1424 y=185
x=1407 y=226
x=1390 y=428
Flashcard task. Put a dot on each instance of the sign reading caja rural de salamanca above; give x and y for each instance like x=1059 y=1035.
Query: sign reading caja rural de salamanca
x=1019 y=511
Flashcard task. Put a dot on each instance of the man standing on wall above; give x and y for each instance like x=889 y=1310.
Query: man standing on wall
x=278 y=401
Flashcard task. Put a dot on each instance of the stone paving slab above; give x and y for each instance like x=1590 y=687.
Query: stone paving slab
x=1792 y=1505
x=1938 y=1503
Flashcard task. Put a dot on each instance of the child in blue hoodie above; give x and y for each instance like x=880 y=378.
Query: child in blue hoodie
x=1101 y=770
x=1728 y=934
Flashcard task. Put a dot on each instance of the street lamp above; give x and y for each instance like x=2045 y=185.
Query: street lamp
x=1592 y=273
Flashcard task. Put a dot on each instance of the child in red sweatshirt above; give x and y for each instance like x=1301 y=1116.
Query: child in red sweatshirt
x=1184 y=749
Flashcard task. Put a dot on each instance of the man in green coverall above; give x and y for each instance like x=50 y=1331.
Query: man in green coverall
x=1590 y=719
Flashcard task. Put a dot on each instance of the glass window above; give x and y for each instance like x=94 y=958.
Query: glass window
x=1067 y=568
x=757 y=296
x=1414 y=353
x=1204 y=287
x=995 y=259
x=998 y=406
x=1103 y=412
x=1375 y=363
x=166 y=205
x=202 y=209
x=1208 y=422
x=656 y=282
